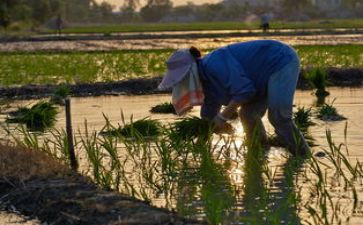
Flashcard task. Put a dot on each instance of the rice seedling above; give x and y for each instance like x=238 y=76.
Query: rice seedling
x=85 y=67
x=329 y=113
x=141 y=128
x=193 y=176
x=40 y=116
x=318 y=80
x=164 y=108
x=60 y=94
x=302 y=118
x=191 y=127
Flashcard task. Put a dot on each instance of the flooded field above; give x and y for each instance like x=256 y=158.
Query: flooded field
x=173 y=43
x=349 y=103
x=234 y=186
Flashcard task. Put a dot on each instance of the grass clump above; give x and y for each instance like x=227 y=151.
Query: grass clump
x=40 y=116
x=191 y=127
x=329 y=113
x=164 y=108
x=59 y=95
x=318 y=79
x=141 y=128
x=302 y=118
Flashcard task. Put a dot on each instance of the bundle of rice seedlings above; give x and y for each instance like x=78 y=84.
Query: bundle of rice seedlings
x=302 y=118
x=318 y=79
x=164 y=108
x=60 y=94
x=191 y=127
x=329 y=113
x=141 y=128
x=39 y=117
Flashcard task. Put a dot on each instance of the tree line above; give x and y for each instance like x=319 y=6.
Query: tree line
x=39 y=12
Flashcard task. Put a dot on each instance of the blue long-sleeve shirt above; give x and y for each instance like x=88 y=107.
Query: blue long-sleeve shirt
x=240 y=72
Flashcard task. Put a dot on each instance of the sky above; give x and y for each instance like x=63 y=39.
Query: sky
x=118 y=3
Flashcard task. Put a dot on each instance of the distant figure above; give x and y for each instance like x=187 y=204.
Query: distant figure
x=59 y=24
x=265 y=23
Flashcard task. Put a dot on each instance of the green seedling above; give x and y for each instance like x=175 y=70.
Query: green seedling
x=60 y=94
x=318 y=80
x=57 y=67
x=39 y=117
x=164 y=108
x=302 y=118
x=140 y=128
x=191 y=127
x=329 y=113
x=193 y=174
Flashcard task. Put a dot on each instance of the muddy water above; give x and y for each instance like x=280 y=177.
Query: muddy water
x=202 y=43
x=349 y=102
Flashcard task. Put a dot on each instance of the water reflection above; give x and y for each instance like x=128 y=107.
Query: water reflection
x=220 y=180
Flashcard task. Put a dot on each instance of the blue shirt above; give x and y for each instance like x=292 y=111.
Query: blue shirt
x=240 y=72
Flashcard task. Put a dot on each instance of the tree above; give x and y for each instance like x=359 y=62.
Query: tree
x=4 y=14
x=154 y=10
x=129 y=9
x=41 y=10
x=293 y=6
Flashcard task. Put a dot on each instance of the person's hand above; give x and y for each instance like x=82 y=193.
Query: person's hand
x=221 y=126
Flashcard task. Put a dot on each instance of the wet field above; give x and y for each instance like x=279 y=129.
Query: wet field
x=349 y=103
x=172 y=43
x=229 y=187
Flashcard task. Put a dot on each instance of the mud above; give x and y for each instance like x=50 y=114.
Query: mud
x=340 y=77
x=58 y=201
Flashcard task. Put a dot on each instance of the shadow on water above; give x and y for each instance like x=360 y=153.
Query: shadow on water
x=266 y=199
x=273 y=201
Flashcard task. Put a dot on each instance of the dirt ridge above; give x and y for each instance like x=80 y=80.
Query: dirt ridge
x=339 y=77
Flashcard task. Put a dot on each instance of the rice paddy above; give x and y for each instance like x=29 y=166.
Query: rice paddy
x=90 y=67
x=192 y=176
x=217 y=178
x=323 y=24
x=181 y=164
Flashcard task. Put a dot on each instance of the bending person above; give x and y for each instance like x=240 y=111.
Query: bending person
x=255 y=76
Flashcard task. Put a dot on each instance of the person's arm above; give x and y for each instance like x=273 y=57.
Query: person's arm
x=210 y=108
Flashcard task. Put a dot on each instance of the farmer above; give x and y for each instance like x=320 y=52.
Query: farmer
x=254 y=76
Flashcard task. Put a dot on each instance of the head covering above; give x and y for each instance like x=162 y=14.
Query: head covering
x=178 y=66
x=188 y=92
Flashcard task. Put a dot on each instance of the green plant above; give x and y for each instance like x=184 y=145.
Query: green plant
x=60 y=94
x=191 y=127
x=141 y=128
x=302 y=118
x=329 y=113
x=317 y=78
x=40 y=116
x=164 y=108
x=21 y=68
